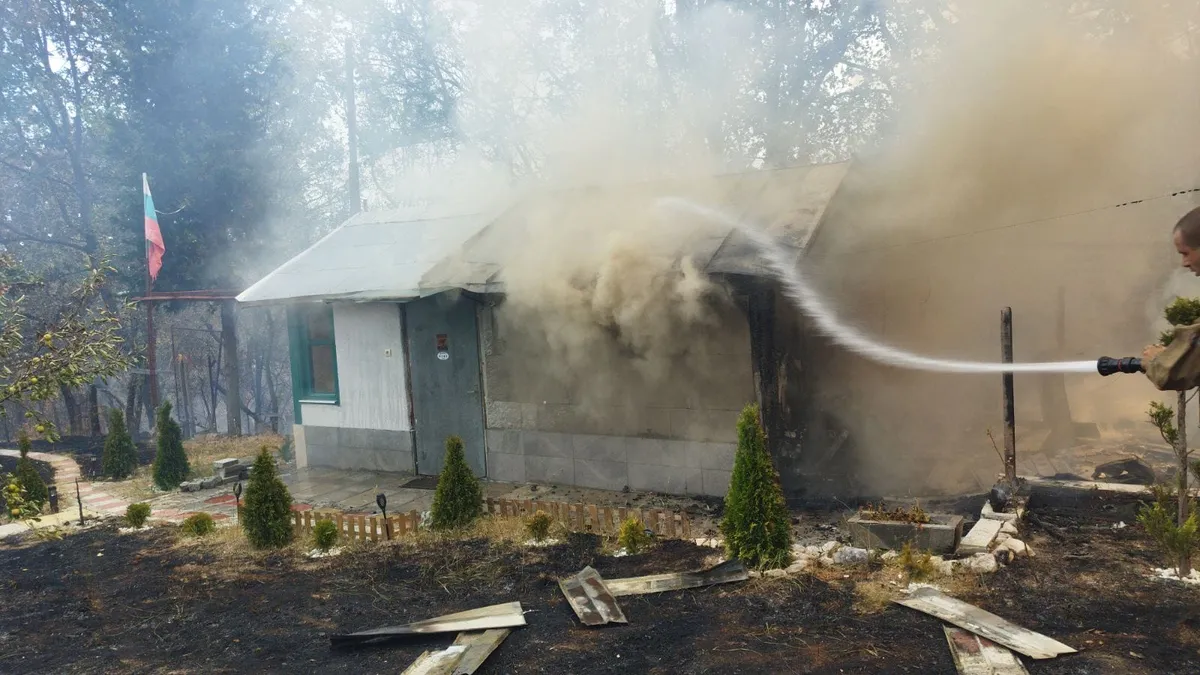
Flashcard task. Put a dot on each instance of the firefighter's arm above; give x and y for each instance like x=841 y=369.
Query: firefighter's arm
x=1177 y=366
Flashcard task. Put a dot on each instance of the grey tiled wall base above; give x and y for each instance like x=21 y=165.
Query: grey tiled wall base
x=610 y=462
x=366 y=449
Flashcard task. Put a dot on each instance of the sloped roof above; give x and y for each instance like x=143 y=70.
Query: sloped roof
x=372 y=256
x=400 y=256
x=788 y=203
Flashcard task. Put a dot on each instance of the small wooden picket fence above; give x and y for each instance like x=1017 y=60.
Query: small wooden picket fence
x=576 y=517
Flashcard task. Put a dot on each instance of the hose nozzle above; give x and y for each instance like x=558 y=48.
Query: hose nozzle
x=1107 y=365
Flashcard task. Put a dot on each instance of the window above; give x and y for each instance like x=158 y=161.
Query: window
x=314 y=354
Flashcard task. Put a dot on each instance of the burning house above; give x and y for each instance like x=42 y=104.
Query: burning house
x=601 y=337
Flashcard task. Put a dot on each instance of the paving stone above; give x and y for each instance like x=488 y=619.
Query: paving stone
x=980 y=537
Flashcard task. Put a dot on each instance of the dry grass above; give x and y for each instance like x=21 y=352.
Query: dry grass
x=201 y=452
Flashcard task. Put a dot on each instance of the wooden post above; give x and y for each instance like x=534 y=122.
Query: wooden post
x=79 y=501
x=1010 y=430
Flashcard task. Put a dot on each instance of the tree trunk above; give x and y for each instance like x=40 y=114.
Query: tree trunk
x=1185 y=562
x=94 y=412
x=133 y=420
x=72 y=405
x=233 y=380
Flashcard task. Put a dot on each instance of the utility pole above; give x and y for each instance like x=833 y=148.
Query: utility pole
x=355 y=196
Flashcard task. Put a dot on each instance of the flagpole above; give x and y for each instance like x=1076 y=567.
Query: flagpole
x=151 y=360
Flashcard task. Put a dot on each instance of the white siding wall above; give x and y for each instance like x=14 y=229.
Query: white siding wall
x=370 y=377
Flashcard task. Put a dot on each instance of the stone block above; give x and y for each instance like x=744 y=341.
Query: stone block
x=503 y=415
x=320 y=436
x=941 y=535
x=546 y=444
x=991 y=514
x=601 y=474
x=715 y=482
x=709 y=425
x=220 y=464
x=600 y=448
x=682 y=454
x=503 y=441
x=210 y=482
x=505 y=467
x=980 y=537
x=717 y=456
x=675 y=480
x=550 y=469
x=645 y=451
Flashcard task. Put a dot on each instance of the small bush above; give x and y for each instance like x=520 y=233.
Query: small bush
x=15 y=504
x=325 y=534
x=633 y=537
x=1177 y=542
x=538 y=525
x=757 y=525
x=170 y=462
x=120 y=458
x=36 y=492
x=267 y=505
x=287 y=451
x=917 y=565
x=458 y=500
x=136 y=515
x=198 y=525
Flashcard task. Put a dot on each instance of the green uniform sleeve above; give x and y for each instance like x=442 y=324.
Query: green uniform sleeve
x=1178 y=367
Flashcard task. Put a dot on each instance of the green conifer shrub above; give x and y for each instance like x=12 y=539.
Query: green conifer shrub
x=170 y=462
x=198 y=525
x=756 y=525
x=136 y=515
x=120 y=458
x=458 y=500
x=538 y=525
x=325 y=534
x=267 y=505
x=36 y=492
x=633 y=537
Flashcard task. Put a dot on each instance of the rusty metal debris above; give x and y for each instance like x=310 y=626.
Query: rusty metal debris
x=974 y=655
x=984 y=624
x=506 y=615
x=724 y=573
x=593 y=603
x=594 y=599
x=464 y=657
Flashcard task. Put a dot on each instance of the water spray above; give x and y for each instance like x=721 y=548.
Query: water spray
x=806 y=299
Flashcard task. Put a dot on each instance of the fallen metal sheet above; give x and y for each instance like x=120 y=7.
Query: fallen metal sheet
x=506 y=615
x=464 y=657
x=479 y=647
x=591 y=599
x=985 y=624
x=727 y=572
x=974 y=655
x=436 y=663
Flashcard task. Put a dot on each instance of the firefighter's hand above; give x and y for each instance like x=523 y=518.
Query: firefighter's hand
x=1152 y=351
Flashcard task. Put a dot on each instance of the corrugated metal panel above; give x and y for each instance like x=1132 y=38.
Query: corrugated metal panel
x=370 y=381
x=367 y=258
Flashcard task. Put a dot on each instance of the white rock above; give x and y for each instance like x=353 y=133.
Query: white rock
x=754 y=574
x=943 y=568
x=1008 y=528
x=829 y=546
x=776 y=573
x=1017 y=546
x=799 y=566
x=813 y=551
x=848 y=555
x=1001 y=538
x=984 y=563
x=890 y=555
x=825 y=561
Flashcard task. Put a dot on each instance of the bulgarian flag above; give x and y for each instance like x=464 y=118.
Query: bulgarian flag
x=154 y=241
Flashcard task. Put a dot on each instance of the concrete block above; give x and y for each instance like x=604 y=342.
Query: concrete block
x=300 y=441
x=710 y=425
x=990 y=514
x=715 y=482
x=682 y=453
x=673 y=480
x=980 y=537
x=506 y=468
x=550 y=469
x=717 y=456
x=320 y=436
x=503 y=441
x=503 y=415
x=220 y=464
x=546 y=444
x=941 y=535
x=600 y=448
x=652 y=423
x=601 y=474
x=645 y=451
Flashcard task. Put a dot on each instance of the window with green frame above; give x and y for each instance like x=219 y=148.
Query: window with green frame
x=314 y=355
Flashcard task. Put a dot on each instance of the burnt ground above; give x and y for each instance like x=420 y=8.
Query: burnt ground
x=9 y=465
x=99 y=602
